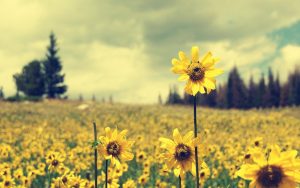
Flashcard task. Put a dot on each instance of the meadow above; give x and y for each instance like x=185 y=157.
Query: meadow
x=30 y=132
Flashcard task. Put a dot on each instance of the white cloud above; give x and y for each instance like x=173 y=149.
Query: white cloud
x=287 y=60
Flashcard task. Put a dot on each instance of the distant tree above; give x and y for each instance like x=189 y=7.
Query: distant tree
x=174 y=97
x=31 y=80
x=111 y=100
x=94 y=98
x=294 y=87
x=209 y=100
x=54 y=80
x=236 y=91
x=284 y=95
x=277 y=92
x=103 y=100
x=80 y=97
x=252 y=94
x=1 y=93
x=188 y=99
x=160 y=99
x=261 y=94
x=221 y=96
x=272 y=93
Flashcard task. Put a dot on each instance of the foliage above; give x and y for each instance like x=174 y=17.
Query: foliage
x=52 y=68
x=31 y=81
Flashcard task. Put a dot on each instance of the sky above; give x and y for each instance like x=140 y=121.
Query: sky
x=124 y=48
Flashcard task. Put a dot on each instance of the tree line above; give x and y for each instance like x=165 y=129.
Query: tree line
x=235 y=93
x=40 y=78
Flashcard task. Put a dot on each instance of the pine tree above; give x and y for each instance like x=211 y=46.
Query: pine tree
x=252 y=94
x=31 y=81
x=52 y=68
x=277 y=92
x=236 y=91
x=160 y=102
x=271 y=91
x=261 y=94
x=294 y=87
x=1 y=93
x=221 y=96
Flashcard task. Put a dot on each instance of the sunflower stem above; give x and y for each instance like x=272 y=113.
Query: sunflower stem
x=179 y=181
x=195 y=135
x=95 y=155
x=106 y=173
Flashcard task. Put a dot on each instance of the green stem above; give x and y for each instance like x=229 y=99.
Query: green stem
x=95 y=155
x=195 y=135
x=179 y=181
x=106 y=173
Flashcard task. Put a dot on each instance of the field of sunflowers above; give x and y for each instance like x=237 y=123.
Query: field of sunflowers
x=49 y=144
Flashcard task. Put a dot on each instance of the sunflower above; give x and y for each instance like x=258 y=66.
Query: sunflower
x=275 y=169
x=115 y=147
x=180 y=153
x=55 y=161
x=200 y=75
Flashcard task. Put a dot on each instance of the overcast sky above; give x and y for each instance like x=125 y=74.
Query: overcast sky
x=124 y=48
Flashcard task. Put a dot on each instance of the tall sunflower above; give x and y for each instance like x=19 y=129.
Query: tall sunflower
x=115 y=147
x=199 y=74
x=180 y=153
x=275 y=169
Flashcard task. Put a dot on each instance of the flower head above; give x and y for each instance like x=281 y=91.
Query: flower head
x=275 y=169
x=199 y=74
x=114 y=146
x=180 y=153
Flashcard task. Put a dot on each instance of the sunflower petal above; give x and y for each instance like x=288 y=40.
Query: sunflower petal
x=213 y=73
x=183 y=77
x=177 y=136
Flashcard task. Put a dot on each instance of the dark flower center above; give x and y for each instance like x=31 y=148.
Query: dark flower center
x=270 y=176
x=113 y=148
x=7 y=183
x=247 y=156
x=54 y=162
x=64 y=179
x=196 y=72
x=182 y=152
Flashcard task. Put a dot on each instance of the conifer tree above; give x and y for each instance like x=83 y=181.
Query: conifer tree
x=54 y=79
x=252 y=94
x=236 y=91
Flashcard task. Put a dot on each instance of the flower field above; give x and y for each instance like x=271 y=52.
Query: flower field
x=32 y=134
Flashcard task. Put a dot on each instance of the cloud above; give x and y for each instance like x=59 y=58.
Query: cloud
x=287 y=60
x=124 y=48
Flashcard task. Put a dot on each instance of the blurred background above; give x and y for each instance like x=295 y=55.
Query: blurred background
x=121 y=51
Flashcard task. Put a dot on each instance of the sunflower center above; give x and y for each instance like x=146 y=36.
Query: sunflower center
x=54 y=162
x=113 y=148
x=196 y=72
x=64 y=179
x=182 y=152
x=270 y=176
x=7 y=183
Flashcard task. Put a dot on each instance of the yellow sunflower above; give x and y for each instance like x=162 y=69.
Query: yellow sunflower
x=55 y=161
x=276 y=169
x=115 y=147
x=200 y=75
x=180 y=153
